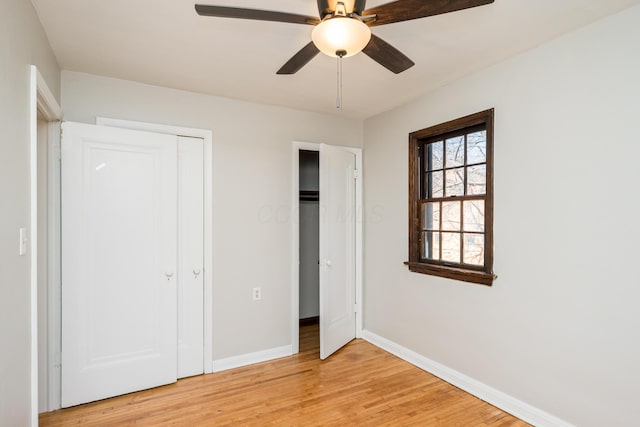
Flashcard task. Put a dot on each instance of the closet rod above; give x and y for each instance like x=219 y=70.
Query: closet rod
x=309 y=195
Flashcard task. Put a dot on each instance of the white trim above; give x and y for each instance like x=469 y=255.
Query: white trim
x=207 y=136
x=40 y=99
x=54 y=286
x=295 y=238
x=47 y=103
x=295 y=250
x=251 y=358
x=208 y=253
x=507 y=403
x=33 y=247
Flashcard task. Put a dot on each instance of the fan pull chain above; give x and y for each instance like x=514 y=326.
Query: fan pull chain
x=340 y=54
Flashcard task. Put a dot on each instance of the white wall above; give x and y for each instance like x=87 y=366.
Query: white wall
x=22 y=43
x=251 y=193
x=560 y=328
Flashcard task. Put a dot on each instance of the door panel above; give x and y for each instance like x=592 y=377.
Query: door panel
x=119 y=232
x=337 y=249
x=191 y=258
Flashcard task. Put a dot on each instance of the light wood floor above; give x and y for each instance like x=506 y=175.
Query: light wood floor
x=360 y=385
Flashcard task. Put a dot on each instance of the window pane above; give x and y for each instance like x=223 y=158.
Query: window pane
x=454 y=182
x=473 y=215
x=451 y=247
x=451 y=216
x=434 y=156
x=477 y=147
x=476 y=180
x=430 y=245
x=434 y=185
x=431 y=216
x=473 y=249
x=455 y=151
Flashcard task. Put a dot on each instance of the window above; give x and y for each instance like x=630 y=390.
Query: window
x=451 y=199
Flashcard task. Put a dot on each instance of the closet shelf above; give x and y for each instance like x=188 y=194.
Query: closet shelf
x=309 y=195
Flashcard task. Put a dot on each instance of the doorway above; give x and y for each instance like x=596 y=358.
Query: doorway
x=41 y=242
x=309 y=274
x=336 y=259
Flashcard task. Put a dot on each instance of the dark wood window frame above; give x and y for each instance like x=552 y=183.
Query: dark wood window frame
x=474 y=274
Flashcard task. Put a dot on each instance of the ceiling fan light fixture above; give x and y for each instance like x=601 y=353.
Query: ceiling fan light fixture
x=341 y=34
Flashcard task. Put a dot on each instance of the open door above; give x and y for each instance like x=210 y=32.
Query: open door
x=337 y=248
x=119 y=246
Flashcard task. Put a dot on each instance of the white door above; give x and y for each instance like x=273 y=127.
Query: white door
x=337 y=249
x=119 y=246
x=190 y=256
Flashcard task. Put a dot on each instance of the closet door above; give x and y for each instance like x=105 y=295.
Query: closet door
x=191 y=259
x=119 y=255
x=337 y=249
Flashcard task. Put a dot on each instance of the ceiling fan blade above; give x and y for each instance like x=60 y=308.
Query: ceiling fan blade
x=300 y=59
x=405 y=10
x=256 y=14
x=359 y=5
x=387 y=56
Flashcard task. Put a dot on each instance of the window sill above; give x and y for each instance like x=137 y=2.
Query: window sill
x=470 y=276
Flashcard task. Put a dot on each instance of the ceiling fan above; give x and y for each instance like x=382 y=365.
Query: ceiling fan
x=342 y=29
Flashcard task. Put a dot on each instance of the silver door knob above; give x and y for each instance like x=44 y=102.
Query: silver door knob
x=168 y=275
x=196 y=273
x=328 y=263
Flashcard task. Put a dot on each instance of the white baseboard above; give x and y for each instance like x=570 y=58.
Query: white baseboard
x=507 y=403
x=251 y=358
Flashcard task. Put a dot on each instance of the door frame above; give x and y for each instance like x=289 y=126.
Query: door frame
x=42 y=99
x=298 y=146
x=207 y=136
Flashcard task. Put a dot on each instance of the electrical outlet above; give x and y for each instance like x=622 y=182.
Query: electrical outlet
x=256 y=294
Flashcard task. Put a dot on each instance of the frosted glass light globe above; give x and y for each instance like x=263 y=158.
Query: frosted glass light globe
x=341 y=33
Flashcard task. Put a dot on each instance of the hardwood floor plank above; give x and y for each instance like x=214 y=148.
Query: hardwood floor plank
x=360 y=385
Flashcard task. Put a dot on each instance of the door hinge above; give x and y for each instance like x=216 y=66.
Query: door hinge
x=355 y=308
x=356 y=174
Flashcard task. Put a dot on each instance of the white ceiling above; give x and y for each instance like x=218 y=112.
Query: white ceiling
x=165 y=43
